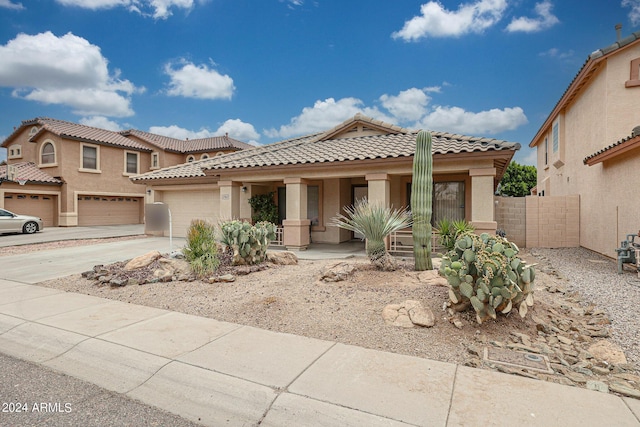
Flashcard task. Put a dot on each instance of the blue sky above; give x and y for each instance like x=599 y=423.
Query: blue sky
x=267 y=70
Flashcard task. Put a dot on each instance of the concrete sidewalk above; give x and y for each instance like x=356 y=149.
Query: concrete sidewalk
x=217 y=373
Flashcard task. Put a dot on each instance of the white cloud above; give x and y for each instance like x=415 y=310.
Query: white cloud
x=101 y=122
x=436 y=21
x=242 y=131
x=8 y=4
x=158 y=9
x=456 y=119
x=236 y=128
x=408 y=105
x=634 y=13
x=544 y=20
x=65 y=70
x=198 y=81
x=322 y=116
x=557 y=54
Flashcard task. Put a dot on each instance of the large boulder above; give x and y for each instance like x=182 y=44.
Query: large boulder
x=408 y=314
x=282 y=257
x=142 y=260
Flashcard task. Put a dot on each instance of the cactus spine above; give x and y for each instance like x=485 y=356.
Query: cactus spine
x=421 y=198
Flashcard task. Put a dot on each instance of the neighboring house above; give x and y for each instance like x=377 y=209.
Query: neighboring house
x=314 y=176
x=584 y=147
x=70 y=174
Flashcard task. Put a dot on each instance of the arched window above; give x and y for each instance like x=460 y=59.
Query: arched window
x=204 y=156
x=190 y=158
x=48 y=154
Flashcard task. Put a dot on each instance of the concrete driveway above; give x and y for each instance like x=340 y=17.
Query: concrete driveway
x=34 y=267
x=53 y=234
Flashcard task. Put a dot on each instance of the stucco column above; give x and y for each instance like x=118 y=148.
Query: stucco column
x=296 y=225
x=379 y=188
x=229 y=200
x=482 y=209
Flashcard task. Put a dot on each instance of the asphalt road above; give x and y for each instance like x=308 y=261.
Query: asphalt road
x=33 y=395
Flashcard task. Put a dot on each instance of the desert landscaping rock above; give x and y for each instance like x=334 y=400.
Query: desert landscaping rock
x=408 y=314
x=337 y=271
x=282 y=257
x=142 y=260
x=608 y=352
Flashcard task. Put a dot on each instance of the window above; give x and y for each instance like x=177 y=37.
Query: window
x=48 y=154
x=313 y=204
x=634 y=76
x=204 y=156
x=447 y=201
x=89 y=157
x=190 y=158
x=33 y=130
x=155 y=161
x=556 y=136
x=131 y=163
x=15 y=151
x=546 y=151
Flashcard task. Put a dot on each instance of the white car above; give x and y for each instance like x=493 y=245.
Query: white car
x=14 y=223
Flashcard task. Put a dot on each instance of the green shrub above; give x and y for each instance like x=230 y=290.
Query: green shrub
x=201 y=249
x=249 y=242
x=485 y=272
x=449 y=231
x=264 y=208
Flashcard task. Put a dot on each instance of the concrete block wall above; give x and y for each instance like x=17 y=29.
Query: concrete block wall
x=553 y=221
x=510 y=213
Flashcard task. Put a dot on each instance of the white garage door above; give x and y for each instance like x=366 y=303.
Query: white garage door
x=40 y=205
x=188 y=205
x=108 y=210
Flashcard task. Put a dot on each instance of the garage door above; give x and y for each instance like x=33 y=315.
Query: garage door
x=188 y=205
x=40 y=205
x=106 y=210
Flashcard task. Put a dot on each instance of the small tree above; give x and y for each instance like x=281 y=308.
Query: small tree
x=518 y=180
x=375 y=222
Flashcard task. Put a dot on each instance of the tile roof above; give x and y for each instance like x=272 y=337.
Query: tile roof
x=582 y=76
x=189 y=145
x=314 y=148
x=85 y=133
x=30 y=172
x=619 y=147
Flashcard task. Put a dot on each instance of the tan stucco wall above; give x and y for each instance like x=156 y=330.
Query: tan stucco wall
x=510 y=214
x=603 y=113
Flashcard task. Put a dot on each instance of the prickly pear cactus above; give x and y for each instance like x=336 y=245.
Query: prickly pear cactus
x=249 y=242
x=421 y=195
x=486 y=272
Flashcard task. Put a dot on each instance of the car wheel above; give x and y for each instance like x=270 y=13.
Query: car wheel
x=30 y=227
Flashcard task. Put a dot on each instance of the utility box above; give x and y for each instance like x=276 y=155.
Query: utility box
x=156 y=217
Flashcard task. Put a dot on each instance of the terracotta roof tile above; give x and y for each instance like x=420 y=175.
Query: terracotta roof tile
x=189 y=145
x=30 y=172
x=314 y=149
x=84 y=133
x=630 y=142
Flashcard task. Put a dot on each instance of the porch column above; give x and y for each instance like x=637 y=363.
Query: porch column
x=482 y=209
x=229 y=199
x=380 y=193
x=296 y=225
x=379 y=188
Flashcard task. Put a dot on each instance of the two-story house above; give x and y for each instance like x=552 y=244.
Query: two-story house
x=71 y=174
x=587 y=145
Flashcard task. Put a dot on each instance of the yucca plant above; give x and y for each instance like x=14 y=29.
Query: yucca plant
x=375 y=222
x=201 y=250
x=449 y=231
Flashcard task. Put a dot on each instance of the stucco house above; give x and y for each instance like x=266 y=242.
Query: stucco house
x=71 y=174
x=587 y=146
x=314 y=176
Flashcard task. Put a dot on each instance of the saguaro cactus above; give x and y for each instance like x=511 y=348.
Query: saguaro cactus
x=421 y=197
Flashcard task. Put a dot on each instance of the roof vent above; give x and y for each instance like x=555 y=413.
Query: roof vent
x=618 y=32
x=635 y=132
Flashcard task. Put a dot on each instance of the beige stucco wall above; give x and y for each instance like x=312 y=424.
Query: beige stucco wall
x=603 y=113
x=510 y=214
